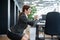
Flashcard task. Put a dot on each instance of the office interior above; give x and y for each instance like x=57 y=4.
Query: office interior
x=9 y=14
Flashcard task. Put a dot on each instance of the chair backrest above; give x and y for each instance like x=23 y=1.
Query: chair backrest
x=52 y=26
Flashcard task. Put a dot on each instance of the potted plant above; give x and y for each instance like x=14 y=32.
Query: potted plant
x=33 y=11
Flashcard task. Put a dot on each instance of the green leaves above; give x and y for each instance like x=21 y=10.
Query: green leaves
x=33 y=11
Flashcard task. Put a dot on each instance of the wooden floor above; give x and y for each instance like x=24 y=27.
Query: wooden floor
x=4 y=37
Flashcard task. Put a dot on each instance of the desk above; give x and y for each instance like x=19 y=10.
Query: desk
x=41 y=24
x=37 y=29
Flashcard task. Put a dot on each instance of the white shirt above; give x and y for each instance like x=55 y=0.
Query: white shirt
x=26 y=15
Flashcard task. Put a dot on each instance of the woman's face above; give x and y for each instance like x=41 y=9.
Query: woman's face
x=28 y=11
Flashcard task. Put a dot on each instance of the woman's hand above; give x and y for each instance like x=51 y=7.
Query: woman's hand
x=35 y=17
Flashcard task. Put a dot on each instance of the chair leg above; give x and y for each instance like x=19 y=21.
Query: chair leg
x=58 y=37
x=51 y=37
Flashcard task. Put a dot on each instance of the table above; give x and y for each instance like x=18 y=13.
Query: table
x=37 y=29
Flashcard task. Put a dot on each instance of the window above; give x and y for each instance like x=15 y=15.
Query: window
x=11 y=13
x=16 y=14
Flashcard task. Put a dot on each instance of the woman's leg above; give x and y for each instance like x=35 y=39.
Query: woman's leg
x=25 y=37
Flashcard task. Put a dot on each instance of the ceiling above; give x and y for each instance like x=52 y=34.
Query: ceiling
x=39 y=3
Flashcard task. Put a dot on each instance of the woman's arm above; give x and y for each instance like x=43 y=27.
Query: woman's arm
x=26 y=20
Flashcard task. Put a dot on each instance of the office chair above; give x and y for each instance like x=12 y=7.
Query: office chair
x=52 y=25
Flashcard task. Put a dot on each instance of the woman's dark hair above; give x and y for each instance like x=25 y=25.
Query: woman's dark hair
x=25 y=7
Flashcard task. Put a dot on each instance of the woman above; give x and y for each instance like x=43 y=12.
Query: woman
x=23 y=22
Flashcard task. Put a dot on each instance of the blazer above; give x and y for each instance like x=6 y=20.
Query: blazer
x=22 y=24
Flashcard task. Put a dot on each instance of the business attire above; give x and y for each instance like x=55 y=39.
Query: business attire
x=22 y=24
